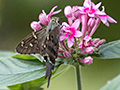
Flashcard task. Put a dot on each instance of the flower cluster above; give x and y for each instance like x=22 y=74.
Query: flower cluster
x=76 y=42
x=43 y=19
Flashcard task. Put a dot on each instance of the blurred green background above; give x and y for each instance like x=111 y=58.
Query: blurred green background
x=15 y=19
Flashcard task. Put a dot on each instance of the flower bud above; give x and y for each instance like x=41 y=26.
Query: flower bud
x=100 y=42
x=67 y=55
x=96 y=40
x=71 y=50
x=60 y=50
x=44 y=19
x=89 y=50
x=35 y=25
x=68 y=11
x=88 y=60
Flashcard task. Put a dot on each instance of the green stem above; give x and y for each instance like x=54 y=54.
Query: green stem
x=78 y=76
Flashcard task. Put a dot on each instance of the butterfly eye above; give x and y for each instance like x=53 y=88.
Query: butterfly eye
x=54 y=20
x=59 y=21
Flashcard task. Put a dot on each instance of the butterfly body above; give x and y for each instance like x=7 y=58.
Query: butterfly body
x=44 y=42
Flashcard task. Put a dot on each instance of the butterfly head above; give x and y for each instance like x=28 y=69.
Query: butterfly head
x=54 y=22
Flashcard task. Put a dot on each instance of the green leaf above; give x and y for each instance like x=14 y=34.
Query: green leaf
x=16 y=71
x=113 y=84
x=6 y=53
x=110 y=50
x=36 y=84
x=4 y=88
x=28 y=57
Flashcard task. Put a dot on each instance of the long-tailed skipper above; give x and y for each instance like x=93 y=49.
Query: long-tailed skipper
x=44 y=42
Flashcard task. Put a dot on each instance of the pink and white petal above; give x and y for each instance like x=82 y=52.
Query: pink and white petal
x=62 y=37
x=65 y=24
x=110 y=19
x=52 y=10
x=98 y=12
x=78 y=34
x=56 y=12
x=91 y=15
x=87 y=3
x=68 y=11
x=97 y=5
x=107 y=24
x=103 y=19
x=43 y=19
x=44 y=12
x=70 y=42
x=93 y=4
x=81 y=8
x=76 y=24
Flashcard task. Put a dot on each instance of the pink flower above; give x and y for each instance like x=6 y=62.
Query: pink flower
x=89 y=50
x=71 y=50
x=70 y=32
x=76 y=13
x=88 y=60
x=105 y=18
x=100 y=42
x=86 y=42
x=91 y=23
x=45 y=19
x=67 y=55
x=68 y=11
x=35 y=25
x=90 y=8
x=96 y=40
x=68 y=14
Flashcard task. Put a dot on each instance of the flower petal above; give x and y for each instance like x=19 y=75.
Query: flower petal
x=70 y=42
x=43 y=19
x=35 y=25
x=56 y=12
x=78 y=34
x=62 y=37
x=76 y=24
x=52 y=10
x=110 y=19
x=103 y=19
x=68 y=11
x=65 y=24
x=87 y=3
x=97 y=5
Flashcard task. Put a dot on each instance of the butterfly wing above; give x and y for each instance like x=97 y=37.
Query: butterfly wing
x=45 y=42
x=31 y=44
x=52 y=44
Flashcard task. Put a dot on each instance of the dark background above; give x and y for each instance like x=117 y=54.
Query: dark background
x=15 y=19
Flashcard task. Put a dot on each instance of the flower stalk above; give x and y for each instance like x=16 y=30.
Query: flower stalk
x=78 y=76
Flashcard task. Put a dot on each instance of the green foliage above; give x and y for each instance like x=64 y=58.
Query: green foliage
x=27 y=74
x=113 y=84
x=110 y=50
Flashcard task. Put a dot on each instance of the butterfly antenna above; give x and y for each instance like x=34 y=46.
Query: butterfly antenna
x=70 y=13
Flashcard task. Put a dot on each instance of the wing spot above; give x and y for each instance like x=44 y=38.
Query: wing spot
x=47 y=37
x=31 y=45
x=34 y=35
x=44 y=46
x=25 y=47
x=22 y=43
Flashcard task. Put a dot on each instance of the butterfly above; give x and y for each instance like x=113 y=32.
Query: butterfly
x=44 y=42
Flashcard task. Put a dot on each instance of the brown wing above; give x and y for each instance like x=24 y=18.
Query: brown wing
x=31 y=44
x=52 y=44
